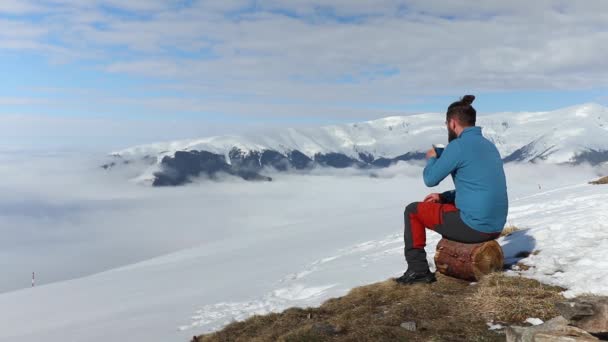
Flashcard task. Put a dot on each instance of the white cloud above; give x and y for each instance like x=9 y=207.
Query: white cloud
x=19 y=7
x=391 y=53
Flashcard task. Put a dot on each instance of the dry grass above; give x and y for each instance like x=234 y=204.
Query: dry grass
x=513 y=299
x=508 y=230
x=448 y=310
x=603 y=180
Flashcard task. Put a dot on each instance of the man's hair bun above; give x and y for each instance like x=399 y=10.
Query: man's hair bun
x=463 y=111
x=468 y=99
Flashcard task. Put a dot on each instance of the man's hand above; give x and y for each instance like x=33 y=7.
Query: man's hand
x=433 y=198
x=431 y=153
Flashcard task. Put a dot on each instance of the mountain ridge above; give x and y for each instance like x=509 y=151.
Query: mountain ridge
x=573 y=135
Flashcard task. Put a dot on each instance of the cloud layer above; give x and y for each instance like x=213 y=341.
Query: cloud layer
x=63 y=217
x=269 y=58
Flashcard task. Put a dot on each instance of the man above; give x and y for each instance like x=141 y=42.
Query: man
x=476 y=211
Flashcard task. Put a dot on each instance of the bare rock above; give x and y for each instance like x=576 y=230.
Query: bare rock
x=575 y=310
x=572 y=334
x=411 y=325
x=517 y=334
x=589 y=313
x=557 y=327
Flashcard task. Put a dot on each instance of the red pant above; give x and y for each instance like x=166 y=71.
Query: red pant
x=443 y=219
x=424 y=214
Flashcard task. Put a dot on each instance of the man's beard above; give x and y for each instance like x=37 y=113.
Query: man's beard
x=451 y=135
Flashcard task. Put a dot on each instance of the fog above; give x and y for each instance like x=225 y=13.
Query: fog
x=62 y=216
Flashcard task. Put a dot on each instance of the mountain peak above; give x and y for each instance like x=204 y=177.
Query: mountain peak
x=585 y=109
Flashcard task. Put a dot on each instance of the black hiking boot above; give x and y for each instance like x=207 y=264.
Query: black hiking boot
x=413 y=277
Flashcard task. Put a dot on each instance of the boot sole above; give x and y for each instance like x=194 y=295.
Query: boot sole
x=418 y=281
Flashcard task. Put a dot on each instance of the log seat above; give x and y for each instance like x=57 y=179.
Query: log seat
x=468 y=261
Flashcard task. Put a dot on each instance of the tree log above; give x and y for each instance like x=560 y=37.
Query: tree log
x=468 y=261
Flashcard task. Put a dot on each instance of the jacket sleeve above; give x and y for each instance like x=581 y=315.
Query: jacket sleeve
x=448 y=196
x=438 y=168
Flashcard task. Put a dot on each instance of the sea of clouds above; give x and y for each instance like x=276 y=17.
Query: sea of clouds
x=62 y=216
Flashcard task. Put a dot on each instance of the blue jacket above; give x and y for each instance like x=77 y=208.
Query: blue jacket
x=477 y=171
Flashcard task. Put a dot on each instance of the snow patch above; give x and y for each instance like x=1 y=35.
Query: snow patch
x=217 y=315
x=534 y=321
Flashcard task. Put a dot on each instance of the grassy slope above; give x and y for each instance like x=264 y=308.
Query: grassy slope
x=448 y=310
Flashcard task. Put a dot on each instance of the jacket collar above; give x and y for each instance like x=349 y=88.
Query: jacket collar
x=475 y=130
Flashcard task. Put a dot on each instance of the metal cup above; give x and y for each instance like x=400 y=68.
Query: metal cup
x=438 y=149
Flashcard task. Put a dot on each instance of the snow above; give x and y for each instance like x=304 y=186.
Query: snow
x=569 y=228
x=494 y=326
x=534 y=321
x=323 y=241
x=295 y=241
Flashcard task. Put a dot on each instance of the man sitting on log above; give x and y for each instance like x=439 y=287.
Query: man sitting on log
x=475 y=211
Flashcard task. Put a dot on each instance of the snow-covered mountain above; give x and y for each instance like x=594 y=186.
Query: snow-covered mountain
x=571 y=135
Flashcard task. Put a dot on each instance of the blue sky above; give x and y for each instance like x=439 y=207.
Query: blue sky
x=117 y=71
